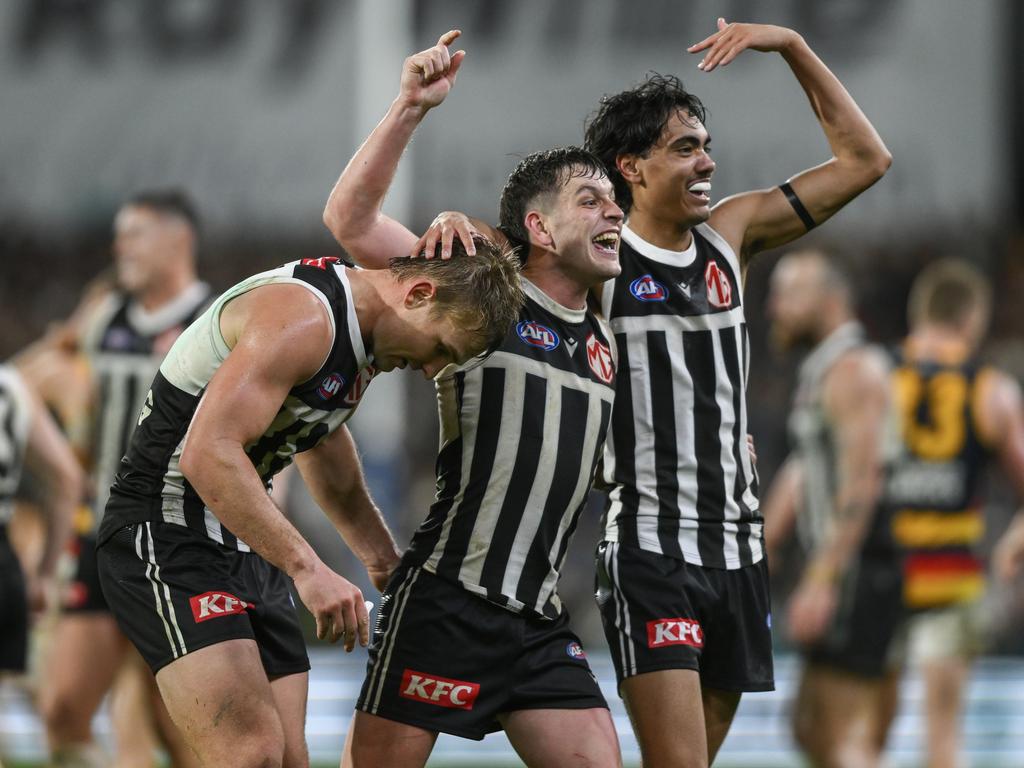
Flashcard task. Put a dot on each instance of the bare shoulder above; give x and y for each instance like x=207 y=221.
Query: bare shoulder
x=286 y=309
x=860 y=376
x=997 y=405
x=281 y=324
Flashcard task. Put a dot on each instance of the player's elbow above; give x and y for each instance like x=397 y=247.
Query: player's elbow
x=873 y=162
x=347 y=218
x=196 y=464
x=880 y=163
x=335 y=222
x=866 y=165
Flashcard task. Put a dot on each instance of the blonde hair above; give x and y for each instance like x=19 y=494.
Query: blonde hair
x=480 y=293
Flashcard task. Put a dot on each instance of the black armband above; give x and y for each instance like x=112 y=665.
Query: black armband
x=798 y=206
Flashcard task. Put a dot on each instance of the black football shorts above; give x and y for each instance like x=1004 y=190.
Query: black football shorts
x=173 y=591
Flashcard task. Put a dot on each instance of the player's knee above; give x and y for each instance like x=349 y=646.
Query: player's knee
x=64 y=717
x=241 y=735
x=262 y=752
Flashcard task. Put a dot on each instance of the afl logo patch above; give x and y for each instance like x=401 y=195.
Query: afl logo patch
x=575 y=650
x=719 y=287
x=537 y=335
x=646 y=288
x=331 y=386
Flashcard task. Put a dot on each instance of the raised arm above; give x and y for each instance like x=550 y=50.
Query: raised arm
x=762 y=219
x=279 y=336
x=334 y=476
x=856 y=401
x=353 y=211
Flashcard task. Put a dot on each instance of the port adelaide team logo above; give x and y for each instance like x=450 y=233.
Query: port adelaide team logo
x=600 y=358
x=719 y=287
x=537 y=335
x=646 y=288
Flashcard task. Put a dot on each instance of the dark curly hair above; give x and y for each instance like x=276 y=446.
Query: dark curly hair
x=538 y=174
x=631 y=122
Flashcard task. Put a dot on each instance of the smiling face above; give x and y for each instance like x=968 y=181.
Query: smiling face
x=581 y=223
x=672 y=180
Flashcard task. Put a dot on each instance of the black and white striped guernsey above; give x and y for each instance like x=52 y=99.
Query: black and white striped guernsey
x=521 y=434
x=124 y=345
x=150 y=486
x=682 y=481
x=15 y=421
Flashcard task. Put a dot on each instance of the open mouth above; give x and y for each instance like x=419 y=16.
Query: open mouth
x=607 y=242
x=701 y=190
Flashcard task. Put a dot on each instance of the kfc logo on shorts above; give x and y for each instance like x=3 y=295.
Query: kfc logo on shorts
x=537 y=335
x=213 y=605
x=719 y=287
x=359 y=385
x=331 y=386
x=453 y=694
x=662 y=632
x=575 y=651
x=322 y=262
x=646 y=288
x=600 y=359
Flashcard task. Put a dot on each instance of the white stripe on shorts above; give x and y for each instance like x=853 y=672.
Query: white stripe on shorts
x=628 y=652
x=153 y=574
x=384 y=658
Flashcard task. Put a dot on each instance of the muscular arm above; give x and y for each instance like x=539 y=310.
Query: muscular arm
x=353 y=212
x=856 y=401
x=279 y=336
x=335 y=480
x=762 y=219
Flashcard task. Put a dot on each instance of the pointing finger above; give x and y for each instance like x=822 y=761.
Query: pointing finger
x=449 y=37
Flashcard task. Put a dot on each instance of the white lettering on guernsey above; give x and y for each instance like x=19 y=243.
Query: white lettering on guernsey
x=662 y=632
x=454 y=694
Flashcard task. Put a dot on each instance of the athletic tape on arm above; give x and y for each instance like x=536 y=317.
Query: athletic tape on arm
x=798 y=206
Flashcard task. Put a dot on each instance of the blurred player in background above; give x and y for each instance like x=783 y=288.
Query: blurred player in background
x=472 y=636
x=30 y=444
x=847 y=606
x=956 y=415
x=117 y=338
x=683 y=585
